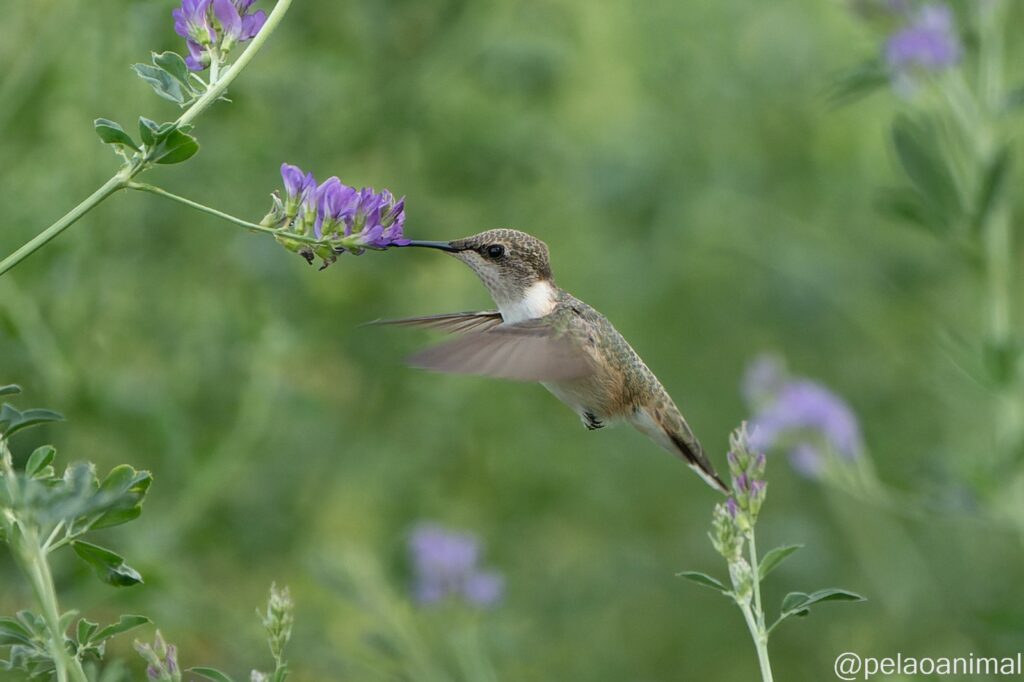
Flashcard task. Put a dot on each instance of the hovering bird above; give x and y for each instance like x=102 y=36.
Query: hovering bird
x=542 y=333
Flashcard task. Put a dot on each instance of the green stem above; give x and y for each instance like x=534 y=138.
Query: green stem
x=997 y=231
x=755 y=619
x=123 y=176
x=760 y=638
x=152 y=189
x=64 y=222
x=31 y=558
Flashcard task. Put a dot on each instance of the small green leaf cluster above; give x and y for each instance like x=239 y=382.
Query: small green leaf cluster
x=42 y=510
x=27 y=636
x=161 y=143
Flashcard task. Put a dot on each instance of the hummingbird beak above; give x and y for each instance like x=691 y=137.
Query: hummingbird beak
x=443 y=246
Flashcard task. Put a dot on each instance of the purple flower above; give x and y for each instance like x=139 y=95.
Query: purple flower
x=212 y=27
x=334 y=202
x=803 y=415
x=445 y=564
x=929 y=42
x=198 y=58
x=192 y=21
x=229 y=19
x=344 y=218
x=484 y=588
x=732 y=507
x=806 y=460
x=298 y=188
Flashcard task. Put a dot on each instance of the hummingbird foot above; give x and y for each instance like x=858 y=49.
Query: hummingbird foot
x=591 y=421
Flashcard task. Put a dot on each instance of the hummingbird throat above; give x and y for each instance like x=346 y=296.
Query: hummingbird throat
x=538 y=300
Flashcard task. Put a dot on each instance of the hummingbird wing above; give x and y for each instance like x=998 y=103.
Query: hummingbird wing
x=533 y=350
x=456 y=323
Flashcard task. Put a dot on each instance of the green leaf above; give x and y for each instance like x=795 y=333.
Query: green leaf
x=162 y=82
x=111 y=132
x=66 y=618
x=116 y=517
x=915 y=145
x=858 y=82
x=148 y=131
x=773 y=558
x=10 y=389
x=124 y=624
x=109 y=567
x=792 y=605
x=799 y=603
x=16 y=421
x=121 y=495
x=172 y=63
x=40 y=457
x=210 y=674
x=175 y=148
x=124 y=479
x=993 y=185
x=704 y=579
x=84 y=630
x=13 y=632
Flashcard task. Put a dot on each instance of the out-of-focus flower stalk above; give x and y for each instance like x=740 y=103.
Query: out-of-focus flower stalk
x=31 y=559
x=128 y=172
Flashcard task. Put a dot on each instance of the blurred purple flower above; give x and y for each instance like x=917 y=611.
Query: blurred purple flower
x=799 y=413
x=215 y=24
x=806 y=460
x=484 y=588
x=445 y=564
x=930 y=42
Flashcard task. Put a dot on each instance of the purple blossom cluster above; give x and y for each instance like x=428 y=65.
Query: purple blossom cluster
x=800 y=415
x=929 y=41
x=212 y=27
x=446 y=564
x=348 y=218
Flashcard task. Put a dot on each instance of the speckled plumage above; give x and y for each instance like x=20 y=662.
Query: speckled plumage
x=543 y=333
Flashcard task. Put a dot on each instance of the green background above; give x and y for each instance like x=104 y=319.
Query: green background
x=693 y=184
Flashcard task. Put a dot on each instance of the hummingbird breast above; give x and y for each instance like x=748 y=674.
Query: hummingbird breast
x=620 y=380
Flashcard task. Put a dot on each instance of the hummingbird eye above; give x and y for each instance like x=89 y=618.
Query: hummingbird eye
x=494 y=251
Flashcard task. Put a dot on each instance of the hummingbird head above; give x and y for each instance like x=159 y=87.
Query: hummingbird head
x=513 y=265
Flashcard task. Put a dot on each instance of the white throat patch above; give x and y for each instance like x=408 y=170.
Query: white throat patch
x=538 y=301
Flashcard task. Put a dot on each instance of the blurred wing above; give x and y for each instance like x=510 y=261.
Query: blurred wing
x=455 y=323
x=529 y=351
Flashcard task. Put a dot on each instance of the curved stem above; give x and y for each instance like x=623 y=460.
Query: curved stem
x=119 y=180
x=217 y=89
x=152 y=189
x=64 y=222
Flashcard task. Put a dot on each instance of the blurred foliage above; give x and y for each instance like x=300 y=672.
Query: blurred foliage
x=694 y=183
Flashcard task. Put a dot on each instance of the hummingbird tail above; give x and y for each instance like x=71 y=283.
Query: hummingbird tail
x=699 y=462
x=665 y=426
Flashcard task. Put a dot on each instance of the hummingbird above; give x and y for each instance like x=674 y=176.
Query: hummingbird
x=542 y=333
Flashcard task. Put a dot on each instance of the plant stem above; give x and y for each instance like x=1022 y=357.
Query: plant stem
x=152 y=189
x=64 y=222
x=755 y=618
x=129 y=171
x=997 y=232
x=31 y=558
